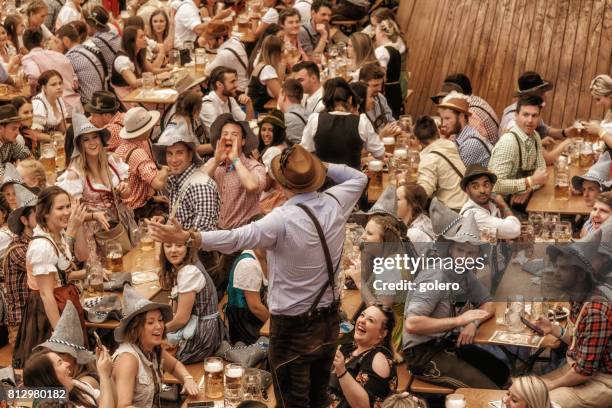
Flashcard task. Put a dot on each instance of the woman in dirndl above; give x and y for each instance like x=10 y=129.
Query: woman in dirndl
x=92 y=175
x=50 y=266
x=196 y=328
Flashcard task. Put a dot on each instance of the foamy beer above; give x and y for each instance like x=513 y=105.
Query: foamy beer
x=200 y=60
x=586 y=154
x=375 y=170
x=243 y=23
x=562 y=179
x=114 y=258
x=47 y=158
x=389 y=143
x=213 y=374
x=233 y=374
x=60 y=152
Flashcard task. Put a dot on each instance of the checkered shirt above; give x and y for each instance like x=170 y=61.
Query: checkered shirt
x=505 y=163
x=199 y=207
x=472 y=148
x=592 y=351
x=101 y=39
x=89 y=71
x=484 y=119
x=16 y=276
x=142 y=171
x=114 y=127
x=12 y=152
x=507 y=122
x=238 y=206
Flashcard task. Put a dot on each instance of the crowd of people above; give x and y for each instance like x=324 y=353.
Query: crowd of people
x=248 y=181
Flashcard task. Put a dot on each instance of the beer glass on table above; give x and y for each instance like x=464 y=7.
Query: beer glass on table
x=213 y=375
x=252 y=384
x=60 y=152
x=148 y=82
x=563 y=232
x=586 y=154
x=488 y=235
x=189 y=45
x=174 y=58
x=375 y=170
x=200 y=60
x=233 y=389
x=95 y=276
x=455 y=401
x=47 y=158
x=114 y=257
x=146 y=242
x=389 y=143
x=562 y=179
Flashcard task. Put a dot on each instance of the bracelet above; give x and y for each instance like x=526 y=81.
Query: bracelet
x=343 y=374
x=602 y=133
x=563 y=133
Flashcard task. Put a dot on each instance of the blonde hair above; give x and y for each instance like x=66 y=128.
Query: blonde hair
x=601 y=85
x=36 y=170
x=403 y=400
x=532 y=390
x=82 y=166
x=390 y=29
x=363 y=49
x=35 y=6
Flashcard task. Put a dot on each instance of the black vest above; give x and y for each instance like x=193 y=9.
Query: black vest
x=337 y=139
x=258 y=92
x=394 y=67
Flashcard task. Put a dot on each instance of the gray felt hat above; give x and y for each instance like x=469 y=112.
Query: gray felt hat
x=133 y=305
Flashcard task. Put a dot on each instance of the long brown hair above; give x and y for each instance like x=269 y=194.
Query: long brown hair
x=84 y=167
x=363 y=49
x=416 y=197
x=152 y=34
x=45 y=203
x=168 y=272
x=11 y=23
x=38 y=371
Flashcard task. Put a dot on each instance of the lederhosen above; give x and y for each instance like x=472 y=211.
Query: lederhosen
x=381 y=120
x=258 y=92
x=523 y=173
x=35 y=327
x=393 y=89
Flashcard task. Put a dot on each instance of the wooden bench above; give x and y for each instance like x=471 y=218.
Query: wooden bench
x=417 y=386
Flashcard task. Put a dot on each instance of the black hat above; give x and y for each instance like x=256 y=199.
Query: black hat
x=532 y=83
x=474 y=171
x=102 y=102
x=447 y=87
x=8 y=114
x=275 y=117
x=98 y=17
x=251 y=141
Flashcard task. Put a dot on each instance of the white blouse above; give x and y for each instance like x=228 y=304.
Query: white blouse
x=188 y=279
x=44 y=115
x=74 y=182
x=122 y=62
x=67 y=14
x=42 y=256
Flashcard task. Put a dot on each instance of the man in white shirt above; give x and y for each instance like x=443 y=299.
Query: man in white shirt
x=307 y=73
x=188 y=24
x=224 y=99
x=232 y=53
x=490 y=210
x=295 y=116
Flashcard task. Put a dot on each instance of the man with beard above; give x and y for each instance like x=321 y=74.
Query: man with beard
x=223 y=98
x=314 y=34
x=455 y=113
x=487 y=207
x=440 y=325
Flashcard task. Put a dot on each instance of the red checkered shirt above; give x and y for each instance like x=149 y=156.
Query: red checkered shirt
x=114 y=126
x=238 y=206
x=592 y=350
x=16 y=276
x=142 y=171
x=484 y=119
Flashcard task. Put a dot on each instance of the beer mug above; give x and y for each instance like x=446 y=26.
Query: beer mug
x=213 y=375
x=174 y=58
x=514 y=313
x=148 y=82
x=146 y=242
x=375 y=170
x=562 y=179
x=563 y=232
x=95 y=276
x=252 y=384
x=455 y=401
x=189 y=45
x=586 y=154
x=389 y=143
x=47 y=158
x=233 y=391
x=414 y=159
x=114 y=257
x=200 y=60
x=60 y=152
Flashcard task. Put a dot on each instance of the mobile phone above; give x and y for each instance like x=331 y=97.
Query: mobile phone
x=200 y=404
x=98 y=341
x=532 y=326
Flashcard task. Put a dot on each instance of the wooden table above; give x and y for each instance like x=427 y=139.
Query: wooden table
x=14 y=92
x=479 y=398
x=157 y=96
x=350 y=304
x=147 y=290
x=543 y=199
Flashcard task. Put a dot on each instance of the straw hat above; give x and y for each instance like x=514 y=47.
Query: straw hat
x=68 y=337
x=298 y=170
x=599 y=173
x=170 y=137
x=82 y=126
x=456 y=102
x=443 y=219
x=25 y=199
x=133 y=305
x=137 y=122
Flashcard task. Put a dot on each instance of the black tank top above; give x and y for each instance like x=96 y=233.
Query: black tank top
x=337 y=139
x=257 y=91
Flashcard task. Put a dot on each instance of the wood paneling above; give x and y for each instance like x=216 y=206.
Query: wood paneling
x=493 y=41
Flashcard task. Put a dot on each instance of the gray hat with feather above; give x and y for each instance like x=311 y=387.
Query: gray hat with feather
x=598 y=173
x=82 y=126
x=173 y=135
x=443 y=220
x=68 y=337
x=25 y=199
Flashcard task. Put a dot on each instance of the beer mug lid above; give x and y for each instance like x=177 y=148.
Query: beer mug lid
x=375 y=165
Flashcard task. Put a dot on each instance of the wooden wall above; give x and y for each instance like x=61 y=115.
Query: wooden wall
x=568 y=42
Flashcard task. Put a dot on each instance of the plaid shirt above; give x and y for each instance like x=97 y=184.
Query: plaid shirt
x=199 y=207
x=114 y=127
x=15 y=284
x=592 y=342
x=10 y=153
x=483 y=118
x=505 y=160
x=88 y=69
x=142 y=171
x=238 y=206
x=472 y=148
x=103 y=40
